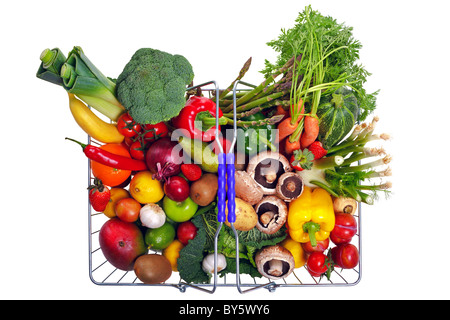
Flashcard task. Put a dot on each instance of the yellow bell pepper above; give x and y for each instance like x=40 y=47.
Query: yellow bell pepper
x=172 y=253
x=295 y=248
x=311 y=216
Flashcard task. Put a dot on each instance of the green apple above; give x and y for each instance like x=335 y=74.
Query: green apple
x=179 y=211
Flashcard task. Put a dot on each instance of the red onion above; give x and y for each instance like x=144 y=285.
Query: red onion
x=164 y=158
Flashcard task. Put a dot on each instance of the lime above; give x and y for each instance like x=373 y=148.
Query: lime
x=160 y=238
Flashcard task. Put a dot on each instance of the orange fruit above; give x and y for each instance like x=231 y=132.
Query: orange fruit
x=111 y=176
x=116 y=195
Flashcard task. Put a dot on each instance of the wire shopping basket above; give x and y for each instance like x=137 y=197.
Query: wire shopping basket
x=101 y=272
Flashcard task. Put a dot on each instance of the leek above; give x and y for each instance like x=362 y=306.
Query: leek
x=82 y=78
x=79 y=76
x=50 y=67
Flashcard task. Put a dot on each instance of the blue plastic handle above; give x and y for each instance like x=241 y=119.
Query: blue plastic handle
x=221 y=192
x=231 y=193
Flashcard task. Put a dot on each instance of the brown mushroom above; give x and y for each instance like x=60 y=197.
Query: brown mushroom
x=247 y=189
x=275 y=262
x=289 y=186
x=266 y=167
x=345 y=205
x=240 y=161
x=272 y=214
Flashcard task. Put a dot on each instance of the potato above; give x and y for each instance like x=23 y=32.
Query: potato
x=246 y=217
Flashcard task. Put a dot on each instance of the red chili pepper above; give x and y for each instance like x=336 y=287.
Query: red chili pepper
x=110 y=159
x=190 y=118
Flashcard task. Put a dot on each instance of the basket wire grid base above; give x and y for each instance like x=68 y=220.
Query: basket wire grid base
x=101 y=272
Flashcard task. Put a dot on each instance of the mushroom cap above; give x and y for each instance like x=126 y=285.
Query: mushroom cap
x=289 y=186
x=279 y=211
x=266 y=167
x=277 y=253
x=246 y=188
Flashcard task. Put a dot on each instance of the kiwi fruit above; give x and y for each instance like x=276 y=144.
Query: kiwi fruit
x=204 y=190
x=152 y=268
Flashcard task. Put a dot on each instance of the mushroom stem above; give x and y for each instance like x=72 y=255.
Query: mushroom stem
x=271 y=176
x=266 y=217
x=275 y=268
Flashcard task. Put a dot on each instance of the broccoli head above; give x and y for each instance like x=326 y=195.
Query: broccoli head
x=152 y=85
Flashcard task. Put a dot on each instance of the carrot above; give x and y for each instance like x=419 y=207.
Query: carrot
x=282 y=111
x=310 y=131
x=290 y=147
x=285 y=127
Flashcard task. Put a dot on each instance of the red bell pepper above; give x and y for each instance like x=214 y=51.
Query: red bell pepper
x=191 y=118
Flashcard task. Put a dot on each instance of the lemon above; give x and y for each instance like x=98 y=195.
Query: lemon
x=145 y=189
x=160 y=238
x=116 y=195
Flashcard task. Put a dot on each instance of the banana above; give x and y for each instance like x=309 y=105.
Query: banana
x=91 y=124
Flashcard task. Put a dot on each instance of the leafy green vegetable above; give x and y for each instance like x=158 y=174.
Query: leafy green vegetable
x=255 y=238
x=332 y=40
x=152 y=85
x=191 y=256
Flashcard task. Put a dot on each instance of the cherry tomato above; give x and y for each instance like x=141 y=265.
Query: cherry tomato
x=317 y=264
x=345 y=228
x=155 y=131
x=137 y=150
x=345 y=256
x=127 y=209
x=320 y=247
x=186 y=231
x=127 y=126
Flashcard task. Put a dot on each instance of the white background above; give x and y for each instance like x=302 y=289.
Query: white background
x=43 y=224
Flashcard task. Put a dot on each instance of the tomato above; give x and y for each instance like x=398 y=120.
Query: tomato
x=320 y=247
x=137 y=150
x=127 y=209
x=186 y=231
x=345 y=256
x=155 y=131
x=317 y=264
x=127 y=126
x=110 y=176
x=345 y=228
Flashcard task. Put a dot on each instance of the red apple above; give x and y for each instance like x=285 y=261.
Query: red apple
x=121 y=243
x=186 y=231
x=176 y=188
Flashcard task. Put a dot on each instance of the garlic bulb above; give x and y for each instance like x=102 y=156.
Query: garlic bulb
x=152 y=216
x=208 y=263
